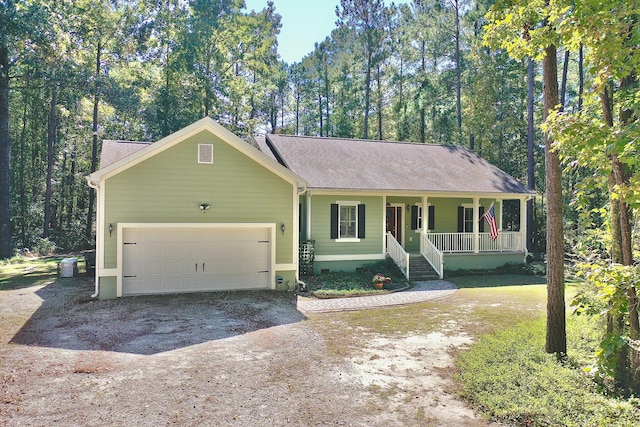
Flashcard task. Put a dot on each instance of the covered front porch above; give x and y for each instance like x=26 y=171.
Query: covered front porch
x=429 y=233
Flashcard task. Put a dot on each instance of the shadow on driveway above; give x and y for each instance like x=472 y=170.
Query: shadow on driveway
x=145 y=325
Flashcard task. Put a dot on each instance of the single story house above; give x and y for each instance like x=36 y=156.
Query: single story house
x=202 y=209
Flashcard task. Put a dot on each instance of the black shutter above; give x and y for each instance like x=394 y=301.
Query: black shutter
x=480 y=214
x=414 y=217
x=460 y=219
x=334 y=220
x=361 y=221
x=432 y=218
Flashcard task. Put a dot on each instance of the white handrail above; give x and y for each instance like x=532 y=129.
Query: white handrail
x=432 y=254
x=398 y=254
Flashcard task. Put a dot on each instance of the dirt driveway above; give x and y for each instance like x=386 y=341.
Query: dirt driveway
x=219 y=359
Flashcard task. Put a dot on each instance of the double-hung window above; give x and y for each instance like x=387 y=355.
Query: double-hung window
x=347 y=221
x=466 y=220
x=417 y=216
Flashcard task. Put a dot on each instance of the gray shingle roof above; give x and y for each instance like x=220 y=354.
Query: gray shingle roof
x=261 y=144
x=352 y=164
x=112 y=151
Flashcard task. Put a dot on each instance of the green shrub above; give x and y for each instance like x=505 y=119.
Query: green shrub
x=43 y=247
x=509 y=378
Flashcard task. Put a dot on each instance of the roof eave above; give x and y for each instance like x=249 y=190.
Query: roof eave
x=420 y=193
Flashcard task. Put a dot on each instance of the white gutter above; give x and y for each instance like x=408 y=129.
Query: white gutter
x=98 y=225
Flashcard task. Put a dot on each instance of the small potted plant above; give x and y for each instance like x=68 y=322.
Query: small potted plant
x=379 y=280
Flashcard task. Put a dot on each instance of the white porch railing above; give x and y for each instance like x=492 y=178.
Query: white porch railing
x=507 y=241
x=432 y=254
x=398 y=254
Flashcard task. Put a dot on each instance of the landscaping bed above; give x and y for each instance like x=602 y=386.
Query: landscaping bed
x=358 y=283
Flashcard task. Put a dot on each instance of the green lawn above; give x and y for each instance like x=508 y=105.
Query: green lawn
x=20 y=272
x=17 y=273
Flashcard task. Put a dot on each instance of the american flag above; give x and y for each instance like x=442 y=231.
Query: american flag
x=490 y=217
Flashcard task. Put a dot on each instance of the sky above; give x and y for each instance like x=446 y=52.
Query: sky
x=304 y=23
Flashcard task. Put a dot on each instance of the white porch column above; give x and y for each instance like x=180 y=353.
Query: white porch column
x=523 y=226
x=308 y=216
x=425 y=214
x=476 y=225
x=499 y=214
x=384 y=225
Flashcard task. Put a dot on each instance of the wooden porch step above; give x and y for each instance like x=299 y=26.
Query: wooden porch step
x=420 y=269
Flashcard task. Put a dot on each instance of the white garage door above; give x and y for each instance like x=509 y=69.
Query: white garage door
x=167 y=260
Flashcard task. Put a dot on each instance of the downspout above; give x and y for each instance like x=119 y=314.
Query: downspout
x=98 y=230
x=300 y=285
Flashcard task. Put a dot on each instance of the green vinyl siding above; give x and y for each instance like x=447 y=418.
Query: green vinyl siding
x=321 y=226
x=170 y=186
x=447 y=212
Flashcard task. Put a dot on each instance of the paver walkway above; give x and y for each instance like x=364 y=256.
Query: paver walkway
x=422 y=291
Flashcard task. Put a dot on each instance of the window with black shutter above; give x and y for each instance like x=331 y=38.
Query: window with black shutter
x=348 y=221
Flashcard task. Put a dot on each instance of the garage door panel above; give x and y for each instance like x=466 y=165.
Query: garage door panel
x=168 y=260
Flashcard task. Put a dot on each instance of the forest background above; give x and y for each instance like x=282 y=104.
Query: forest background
x=477 y=73
x=75 y=72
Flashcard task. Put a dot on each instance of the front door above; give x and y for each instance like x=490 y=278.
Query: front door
x=394 y=222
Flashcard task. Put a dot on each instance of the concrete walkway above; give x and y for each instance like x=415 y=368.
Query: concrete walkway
x=422 y=291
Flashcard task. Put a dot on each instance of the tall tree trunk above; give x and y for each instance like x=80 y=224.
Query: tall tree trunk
x=94 y=146
x=423 y=113
x=72 y=188
x=623 y=176
x=367 y=93
x=379 y=102
x=6 y=249
x=563 y=86
x=22 y=192
x=423 y=125
x=531 y=177
x=580 y=76
x=51 y=137
x=615 y=320
x=298 y=97
x=320 y=113
x=327 y=93
x=556 y=340
x=458 y=70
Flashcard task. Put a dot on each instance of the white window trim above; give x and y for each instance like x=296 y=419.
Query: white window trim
x=355 y=204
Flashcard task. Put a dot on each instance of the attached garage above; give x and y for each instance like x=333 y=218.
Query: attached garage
x=197 y=211
x=173 y=258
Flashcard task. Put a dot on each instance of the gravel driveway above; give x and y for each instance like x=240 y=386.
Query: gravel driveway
x=219 y=359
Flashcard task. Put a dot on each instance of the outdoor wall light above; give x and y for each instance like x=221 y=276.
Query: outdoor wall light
x=204 y=207
x=110 y=229
x=282 y=227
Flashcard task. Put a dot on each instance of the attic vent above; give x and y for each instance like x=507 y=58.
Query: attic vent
x=205 y=153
